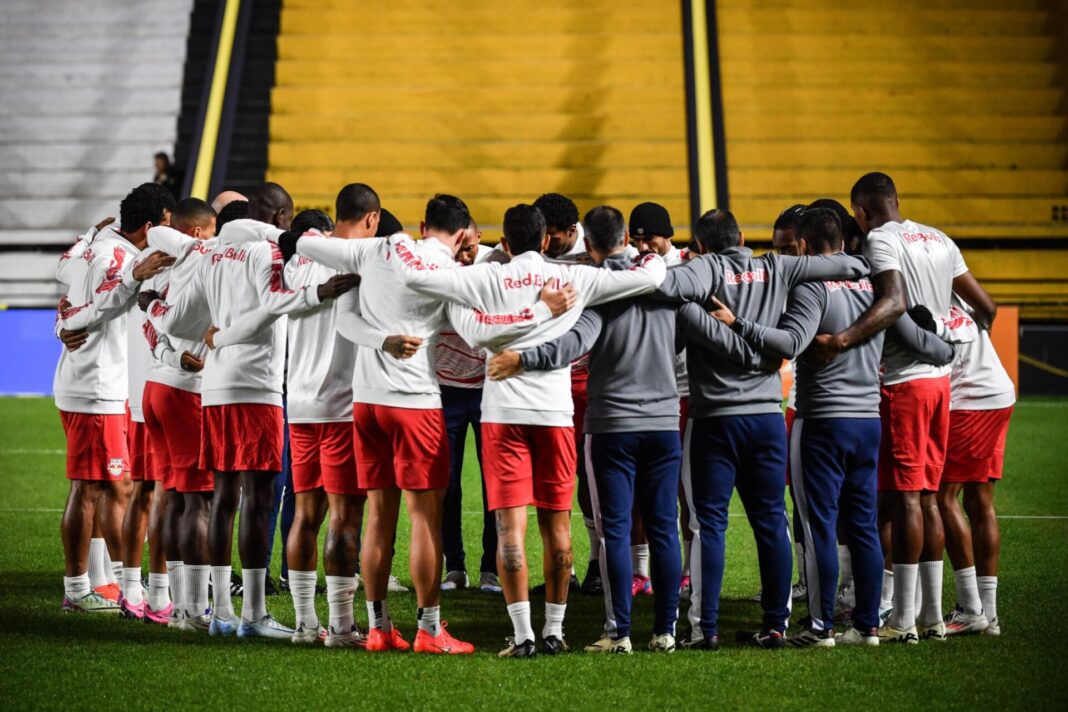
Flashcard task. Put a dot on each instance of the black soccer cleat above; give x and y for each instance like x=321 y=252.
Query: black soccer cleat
x=707 y=643
x=592 y=584
x=554 y=646
x=526 y=649
x=766 y=639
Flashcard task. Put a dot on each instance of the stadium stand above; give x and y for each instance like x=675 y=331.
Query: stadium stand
x=91 y=91
x=963 y=102
x=498 y=103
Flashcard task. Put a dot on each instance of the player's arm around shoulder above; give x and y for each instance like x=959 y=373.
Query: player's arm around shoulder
x=602 y=285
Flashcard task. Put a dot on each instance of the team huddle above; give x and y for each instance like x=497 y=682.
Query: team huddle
x=198 y=338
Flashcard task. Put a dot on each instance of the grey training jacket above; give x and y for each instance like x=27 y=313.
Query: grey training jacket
x=756 y=289
x=632 y=342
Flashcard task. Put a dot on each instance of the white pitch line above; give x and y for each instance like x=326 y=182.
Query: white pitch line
x=34 y=451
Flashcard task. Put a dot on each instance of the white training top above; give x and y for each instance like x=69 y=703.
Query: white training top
x=321 y=362
x=978 y=381
x=93 y=379
x=539 y=397
x=929 y=262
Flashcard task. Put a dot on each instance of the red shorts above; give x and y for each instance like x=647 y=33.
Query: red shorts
x=173 y=418
x=144 y=465
x=791 y=413
x=96 y=446
x=242 y=437
x=322 y=455
x=915 y=431
x=403 y=448
x=528 y=464
x=976 y=445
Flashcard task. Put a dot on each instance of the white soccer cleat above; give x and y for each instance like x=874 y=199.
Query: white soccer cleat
x=395 y=586
x=353 y=639
x=91 y=602
x=266 y=627
x=223 y=626
x=809 y=638
x=454 y=580
x=799 y=592
x=608 y=645
x=933 y=632
x=488 y=582
x=893 y=635
x=960 y=623
x=994 y=628
x=663 y=643
x=308 y=636
x=854 y=637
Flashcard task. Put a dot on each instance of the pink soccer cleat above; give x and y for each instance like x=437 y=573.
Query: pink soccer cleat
x=160 y=617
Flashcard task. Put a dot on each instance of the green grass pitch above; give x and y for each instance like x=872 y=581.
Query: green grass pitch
x=49 y=660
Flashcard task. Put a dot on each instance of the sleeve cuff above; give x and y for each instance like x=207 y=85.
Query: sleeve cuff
x=542 y=312
x=527 y=358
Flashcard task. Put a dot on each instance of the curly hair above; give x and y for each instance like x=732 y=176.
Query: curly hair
x=559 y=211
x=147 y=203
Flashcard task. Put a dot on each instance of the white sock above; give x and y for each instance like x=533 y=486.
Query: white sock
x=931 y=589
x=131 y=586
x=430 y=620
x=75 y=587
x=904 y=615
x=340 y=591
x=591 y=533
x=554 y=620
x=254 y=604
x=174 y=580
x=845 y=566
x=520 y=615
x=639 y=559
x=220 y=592
x=194 y=588
x=886 y=598
x=968 y=591
x=99 y=567
x=114 y=569
x=302 y=588
x=158 y=597
x=988 y=593
x=686 y=546
x=378 y=615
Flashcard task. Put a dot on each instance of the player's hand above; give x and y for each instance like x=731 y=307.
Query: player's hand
x=152 y=265
x=338 y=285
x=505 y=365
x=191 y=363
x=823 y=350
x=209 y=337
x=722 y=312
x=400 y=346
x=73 y=340
x=146 y=297
x=923 y=318
x=104 y=223
x=558 y=299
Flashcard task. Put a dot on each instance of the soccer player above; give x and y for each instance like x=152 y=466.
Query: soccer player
x=172 y=413
x=736 y=434
x=982 y=397
x=91 y=383
x=400 y=434
x=528 y=421
x=631 y=433
x=834 y=441
x=563 y=229
x=912 y=264
x=321 y=437
x=651 y=230
x=461 y=371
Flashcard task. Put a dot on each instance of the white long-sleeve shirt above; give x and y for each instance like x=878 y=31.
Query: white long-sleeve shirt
x=159 y=331
x=532 y=398
x=391 y=308
x=93 y=379
x=243 y=277
x=321 y=362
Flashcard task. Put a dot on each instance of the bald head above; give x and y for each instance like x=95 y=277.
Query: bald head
x=270 y=203
x=225 y=198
